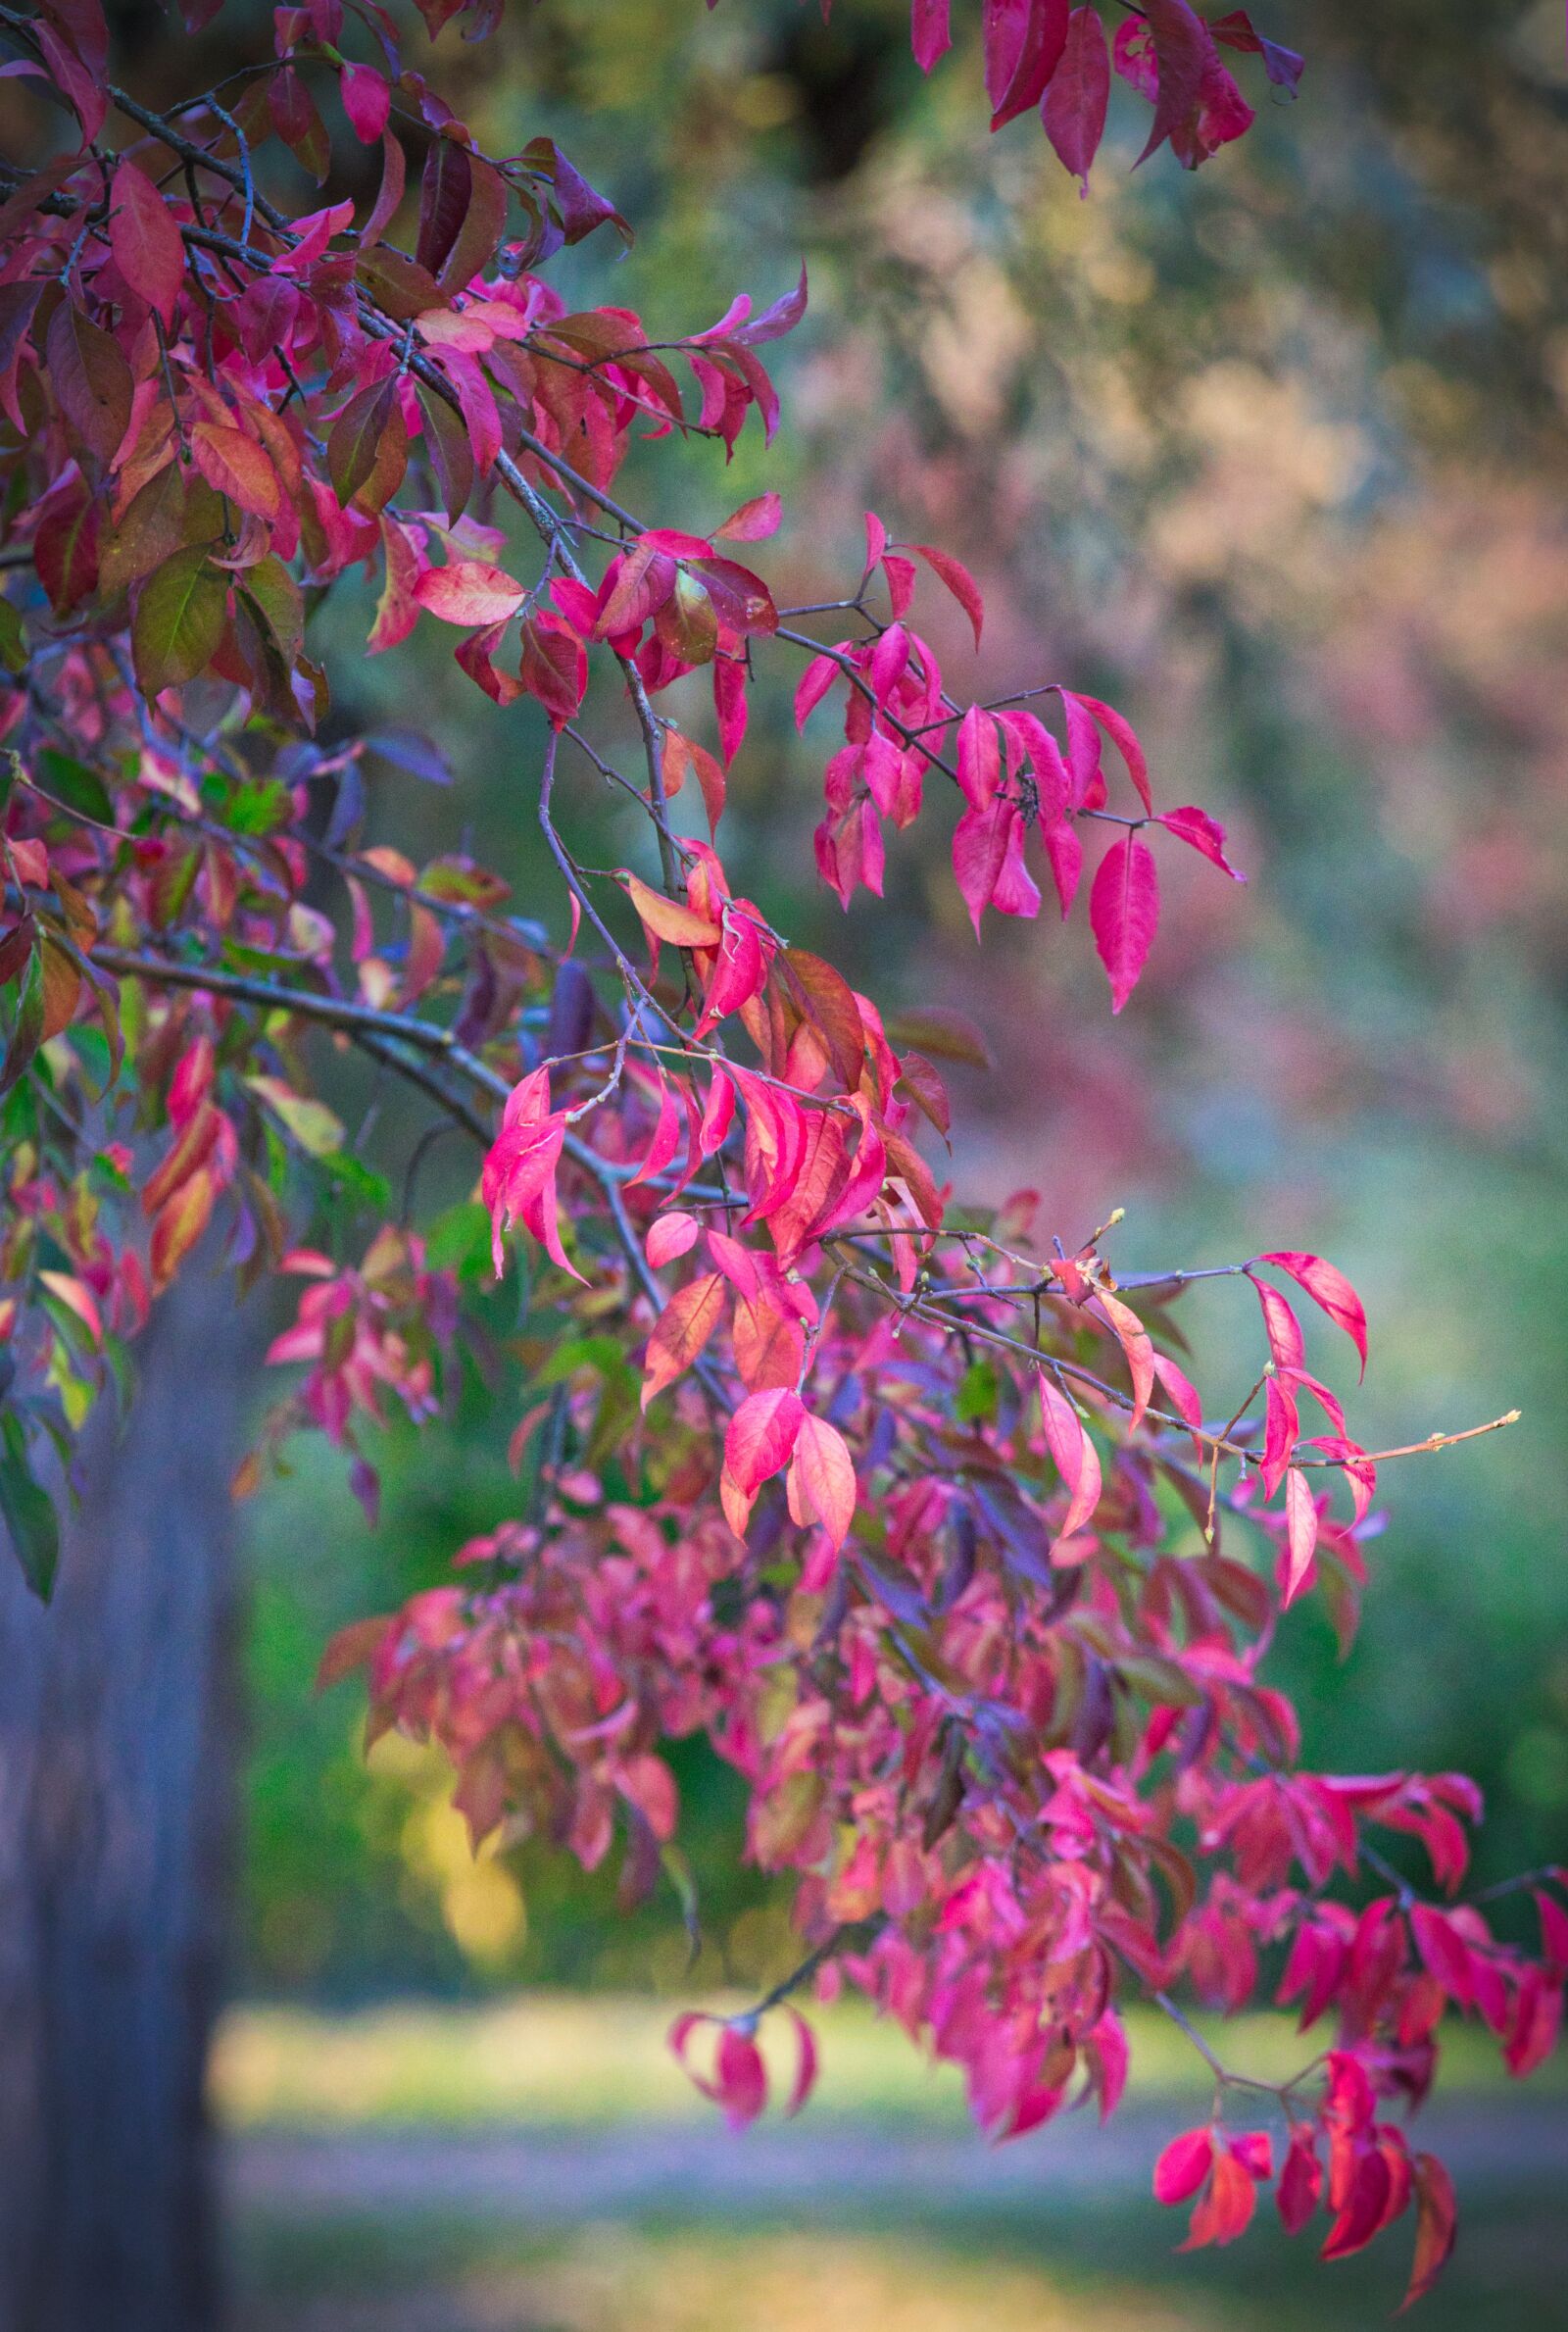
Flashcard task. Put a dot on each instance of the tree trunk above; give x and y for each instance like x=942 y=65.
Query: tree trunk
x=117 y=1741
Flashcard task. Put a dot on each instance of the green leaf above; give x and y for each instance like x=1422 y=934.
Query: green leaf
x=460 y=1240
x=75 y=787
x=13 y=644
x=26 y=1029
x=356 y=1179
x=979 y=1388
x=178 y=621
x=28 y=1513
x=317 y=1128
x=259 y=805
x=280 y=602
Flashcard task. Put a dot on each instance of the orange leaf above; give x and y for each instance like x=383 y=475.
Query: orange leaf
x=1133 y=1337
x=680 y=1332
x=667 y=919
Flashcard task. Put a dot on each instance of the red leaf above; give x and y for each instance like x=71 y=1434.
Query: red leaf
x=1075 y=103
x=1226 y=2209
x=1330 y=1289
x=956 y=576
x=1364 y=2208
x=469 y=592
x=1183 y=2166
x=147 y=245
x=1300 y=2182
x=760 y=1437
x=1024 y=41
x=518 y=1179
x=639 y=583
x=1182 y=48
x=90 y=378
x=394 y=177
x=1553 y=1933
x=988 y=863
x=1124 y=913
x=234 y=464
x=754 y=522
x=1444 y=1951
x=1436 y=2226
x=553 y=666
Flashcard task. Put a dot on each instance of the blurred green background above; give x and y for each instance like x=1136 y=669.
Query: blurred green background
x=1273 y=458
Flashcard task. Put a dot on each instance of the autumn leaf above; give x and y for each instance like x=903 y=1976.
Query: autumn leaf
x=178 y=620
x=149 y=250
x=468 y=591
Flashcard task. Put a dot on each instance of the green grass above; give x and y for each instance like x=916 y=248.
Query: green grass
x=1099 y=2268
x=585 y=2061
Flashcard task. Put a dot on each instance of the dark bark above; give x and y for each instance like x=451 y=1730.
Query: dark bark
x=116 y=1733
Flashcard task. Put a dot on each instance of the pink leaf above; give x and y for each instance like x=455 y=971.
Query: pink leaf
x=1074 y=1456
x=1201 y=833
x=742 y=2085
x=1328 y=1288
x=1183 y=2166
x=1124 y=913
x=671 y=1236
x=929 y=34
x=1281 y=1428
x=1137 y=1347
x=958 y=580
x=1300 y=1517
x=366 y=101
x=804 y=2064
x=760 y=1437
x=1180 y=1392
x=773 y=323
x=1282 y=1327
x=979 y=757
x=822 y=1478
x=1120 y=733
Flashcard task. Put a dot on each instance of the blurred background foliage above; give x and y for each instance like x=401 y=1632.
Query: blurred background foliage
x=1274 y=458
